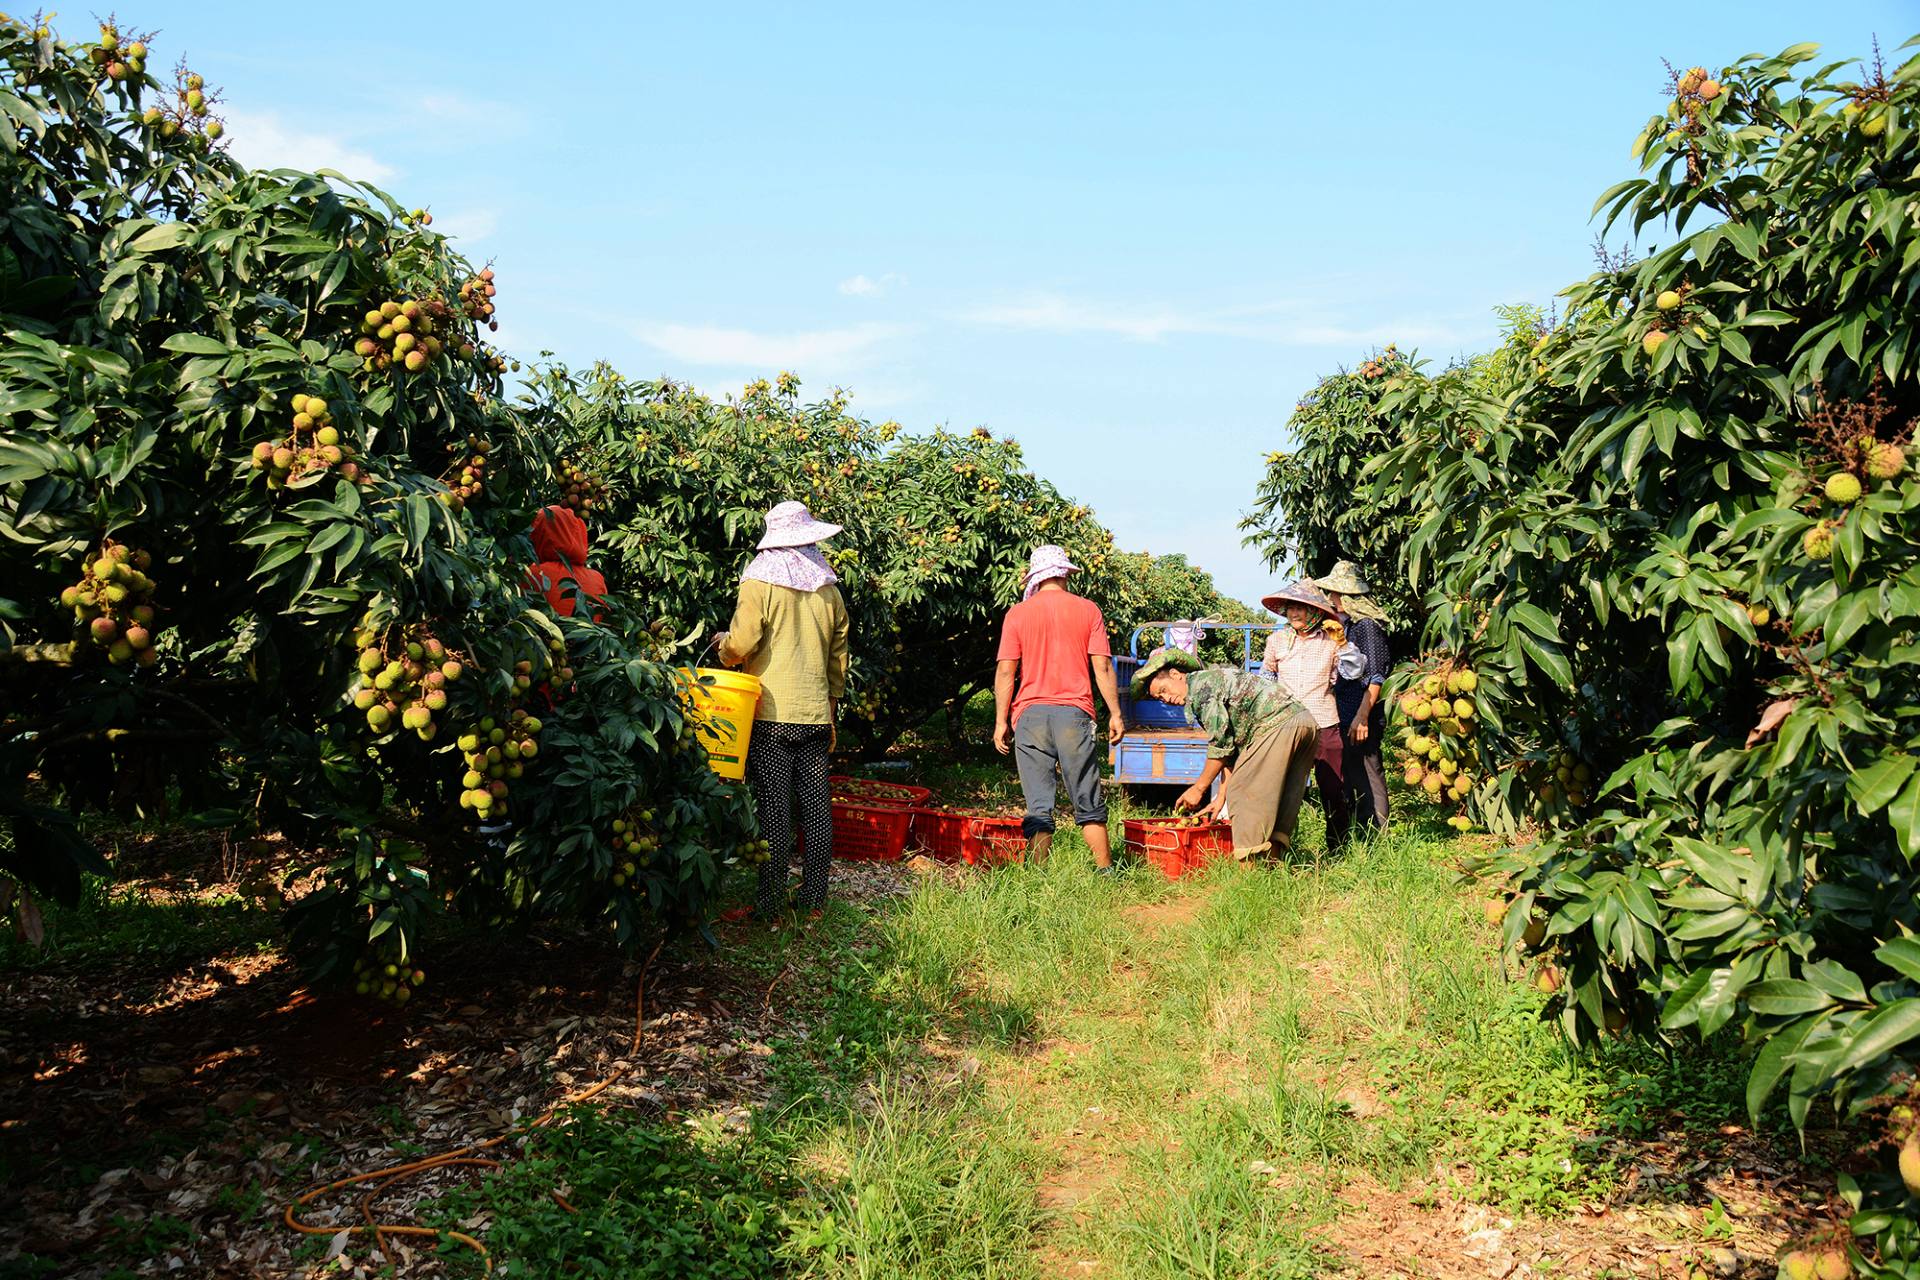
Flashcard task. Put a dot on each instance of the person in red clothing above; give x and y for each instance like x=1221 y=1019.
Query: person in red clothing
x=560 y=542
x=1050 y=642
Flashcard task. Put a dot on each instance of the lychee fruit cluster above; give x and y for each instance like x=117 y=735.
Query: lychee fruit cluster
x=1563 y=776
x=1868 y=460
x=633 y=844
x=476 y=296
x=117 y=57
x=403 y=683
x=1671 y=304
x=496 y=752
x=1868 y=115
x=113 y=605
x=188 y=117
x=1381 y=365
x=312 y=448
x=466 y=477
x=390 y=980
x=402 y=333
x=1693 y=90
x=581 y=490
x=1441 y=754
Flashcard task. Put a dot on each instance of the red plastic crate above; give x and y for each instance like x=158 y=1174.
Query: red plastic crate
x=875 y=791
x=1175 y=849
x=870 y=832
x=941 y=834
x=993 y=840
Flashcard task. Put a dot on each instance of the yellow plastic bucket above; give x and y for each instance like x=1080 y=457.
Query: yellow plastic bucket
x=724 y=702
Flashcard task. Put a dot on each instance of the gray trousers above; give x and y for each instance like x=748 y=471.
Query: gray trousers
x=1054 y=737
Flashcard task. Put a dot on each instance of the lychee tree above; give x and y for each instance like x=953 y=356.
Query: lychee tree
x=937 y=526
x=1686 y=548
x=266 y=521
x=1308 y=512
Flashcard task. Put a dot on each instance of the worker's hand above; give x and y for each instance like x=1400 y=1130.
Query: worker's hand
x=1357 y=731
x=1003 y=738
x=1212 y=811
x=833 y=738
x=1192 y=798
x=1116 y=728
x=720 y=648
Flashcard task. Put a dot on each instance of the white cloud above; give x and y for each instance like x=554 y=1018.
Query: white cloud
x=479 y=114
x=1278 y=322
x=864 y=286
x=262 y=141
x=467 y=225
x=710 y=344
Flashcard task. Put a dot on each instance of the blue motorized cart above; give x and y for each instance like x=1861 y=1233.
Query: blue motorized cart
x=1163 y=746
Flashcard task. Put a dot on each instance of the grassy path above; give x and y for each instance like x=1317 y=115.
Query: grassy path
x=1270 y=1072
x=1024 y=1073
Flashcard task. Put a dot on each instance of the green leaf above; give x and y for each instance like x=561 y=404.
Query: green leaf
x=1904 y=814
x=1787 y=997
x=1902 y=954
x=1881 y=1032
x=168 y=235
x=196 y=344
x=1775 y=1056
x=1874 y=787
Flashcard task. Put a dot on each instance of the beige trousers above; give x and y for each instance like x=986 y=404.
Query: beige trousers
x=1269 y=783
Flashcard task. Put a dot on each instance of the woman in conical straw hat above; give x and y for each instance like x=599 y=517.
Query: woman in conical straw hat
x=1304 y=657
x=790 y=629
x=1363 y=671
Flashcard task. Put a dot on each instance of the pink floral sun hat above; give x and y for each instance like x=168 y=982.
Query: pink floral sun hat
x=791 y=525
x=1048 y=561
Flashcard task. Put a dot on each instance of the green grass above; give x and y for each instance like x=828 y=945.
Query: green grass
x=646 y=1204
x=123 y=923
x=1240 y=1046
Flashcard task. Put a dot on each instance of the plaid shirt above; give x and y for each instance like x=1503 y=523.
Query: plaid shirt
x=1235 y=707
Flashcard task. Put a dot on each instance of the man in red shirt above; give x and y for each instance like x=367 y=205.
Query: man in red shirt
x=1052 y=639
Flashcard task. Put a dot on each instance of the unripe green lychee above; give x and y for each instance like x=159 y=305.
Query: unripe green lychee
x=1843 y=487
x=1668 y=300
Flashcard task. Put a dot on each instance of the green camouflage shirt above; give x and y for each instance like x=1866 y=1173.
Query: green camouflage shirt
x=1235 y=708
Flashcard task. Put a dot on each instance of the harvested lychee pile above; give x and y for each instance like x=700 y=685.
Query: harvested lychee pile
x=405 y=333
x=466 y=478
x=310 y=451
x=113 y=605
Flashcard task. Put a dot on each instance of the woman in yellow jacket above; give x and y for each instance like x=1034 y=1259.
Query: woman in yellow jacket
x=790 y=629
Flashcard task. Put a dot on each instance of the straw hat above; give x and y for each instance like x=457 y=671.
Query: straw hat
x=1157 y=661
x=1344 y=578
x=1301 y=592
x=791 y=525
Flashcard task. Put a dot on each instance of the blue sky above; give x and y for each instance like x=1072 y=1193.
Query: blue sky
x=1131 y=236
